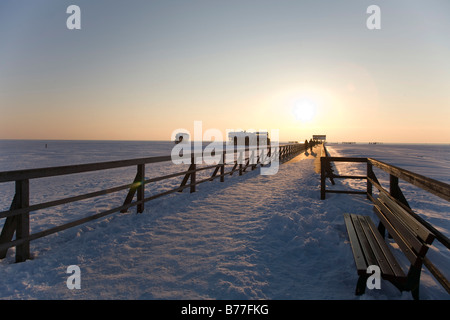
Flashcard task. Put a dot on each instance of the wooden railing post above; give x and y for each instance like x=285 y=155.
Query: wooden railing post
x=393 y=185
x=23 y=220
x=222 y=168
x=322 y=177
x=395 y=190
x=252 y=157
x=135 y=186
x=241 y=159
x=141 y=188
x=369 y=175
x=193 y=177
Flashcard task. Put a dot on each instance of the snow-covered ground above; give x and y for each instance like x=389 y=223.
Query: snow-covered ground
x=250 y=237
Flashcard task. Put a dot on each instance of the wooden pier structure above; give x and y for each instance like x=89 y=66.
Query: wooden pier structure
x=412 y=233
x=17 y=218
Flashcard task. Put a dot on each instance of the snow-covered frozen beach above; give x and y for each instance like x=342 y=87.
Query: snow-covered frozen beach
x=250 y=237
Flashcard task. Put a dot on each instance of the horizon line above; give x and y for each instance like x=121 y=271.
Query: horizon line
x=158 y=140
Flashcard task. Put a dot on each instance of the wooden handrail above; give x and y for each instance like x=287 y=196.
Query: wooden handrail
x=435 y=187
x=15 y=175
x=17 y=217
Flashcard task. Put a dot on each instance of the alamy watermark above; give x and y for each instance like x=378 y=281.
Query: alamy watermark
x=260 y=147
x=73 y=22
x=74 y=280
x=373 y=281
x=373 y=22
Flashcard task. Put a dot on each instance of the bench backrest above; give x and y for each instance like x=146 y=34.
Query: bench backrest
x=412 y=237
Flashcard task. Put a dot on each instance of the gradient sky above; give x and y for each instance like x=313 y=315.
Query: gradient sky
x=138 y=70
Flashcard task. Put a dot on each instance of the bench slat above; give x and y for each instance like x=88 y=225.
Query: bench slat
x=381 y=260
x=397 y=270
x=412 y=257
x=360 y=262
x=367 y=250
x=409 y=238
x=416 y=227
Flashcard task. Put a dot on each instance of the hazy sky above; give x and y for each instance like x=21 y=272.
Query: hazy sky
x=138 y=70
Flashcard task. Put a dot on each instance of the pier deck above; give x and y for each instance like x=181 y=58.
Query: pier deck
x=258 y=237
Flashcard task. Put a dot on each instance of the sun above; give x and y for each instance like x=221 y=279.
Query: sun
x=304 y=110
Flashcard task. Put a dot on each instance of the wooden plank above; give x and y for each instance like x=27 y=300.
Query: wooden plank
x=65 y=226
x=349 y=177
x=358 y=255
x=131 y=192
x=412 y=257
x=408 y=237
x=397 y=270
x=49 y=204
x=367 y=250
x=234 y=168
x=71 y=169
x=347 y=159
x=435 y=187
x=328 y=170
x=322 y=178
x=141 y=187
x=13 y=212
x=415 y=226
x=345 y=191
x=18 y=216
x=23 y=220
x=193 y=178
x=187 y=176
x=377 y=185
x=369 y=173
x=215 y=172
x=370 y=197
x=168 y=176
x=377 y=251
x=439 y=236
x=395 y=190
x=222 y=171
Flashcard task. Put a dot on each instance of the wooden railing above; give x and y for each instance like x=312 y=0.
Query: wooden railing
x=17 y=219
x=432 y=186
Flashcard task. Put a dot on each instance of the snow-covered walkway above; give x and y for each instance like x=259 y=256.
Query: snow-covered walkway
x=250 y=237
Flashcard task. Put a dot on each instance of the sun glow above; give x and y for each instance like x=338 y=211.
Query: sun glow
x=304 y=110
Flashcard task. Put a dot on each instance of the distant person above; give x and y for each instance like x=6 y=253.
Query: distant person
x=311 y=144
x=306 y=145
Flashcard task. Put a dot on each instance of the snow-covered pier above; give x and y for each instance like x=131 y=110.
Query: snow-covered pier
x=17 y=218
x=255 y=237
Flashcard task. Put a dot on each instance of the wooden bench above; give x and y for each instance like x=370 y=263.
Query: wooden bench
x=370 y=248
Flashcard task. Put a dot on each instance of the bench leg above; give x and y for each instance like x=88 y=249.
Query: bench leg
x=414 y=281
x=361 y=285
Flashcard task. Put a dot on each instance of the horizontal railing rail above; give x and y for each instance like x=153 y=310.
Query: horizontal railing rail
x=433 y=186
